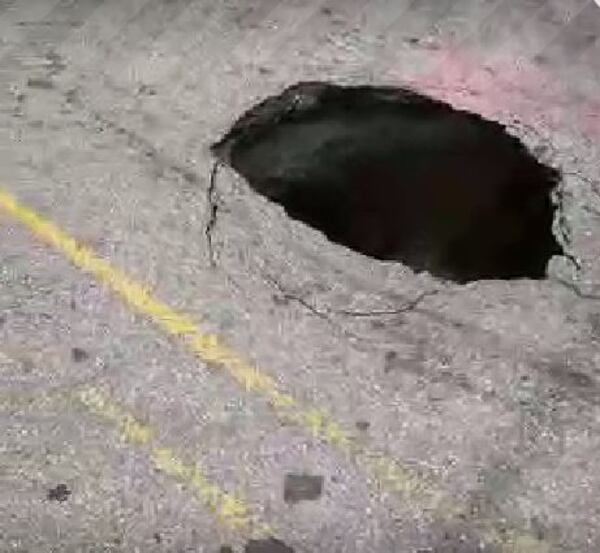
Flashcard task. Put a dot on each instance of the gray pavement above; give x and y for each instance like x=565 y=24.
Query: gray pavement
x=490 y=392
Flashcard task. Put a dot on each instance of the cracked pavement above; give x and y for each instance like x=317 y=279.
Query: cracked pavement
x=490 y=390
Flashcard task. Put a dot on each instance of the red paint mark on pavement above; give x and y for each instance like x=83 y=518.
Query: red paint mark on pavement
x=499 y=87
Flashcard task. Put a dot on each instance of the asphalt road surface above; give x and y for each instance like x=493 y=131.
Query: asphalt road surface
x=277 y=392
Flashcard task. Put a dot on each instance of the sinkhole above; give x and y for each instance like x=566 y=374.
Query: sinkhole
x=397 y=175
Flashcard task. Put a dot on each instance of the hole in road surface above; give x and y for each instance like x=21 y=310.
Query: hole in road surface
x=399 y=176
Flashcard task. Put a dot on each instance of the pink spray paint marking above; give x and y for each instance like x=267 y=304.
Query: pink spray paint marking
x=504 y=87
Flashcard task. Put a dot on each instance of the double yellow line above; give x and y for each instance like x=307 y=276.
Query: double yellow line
x=390 y=475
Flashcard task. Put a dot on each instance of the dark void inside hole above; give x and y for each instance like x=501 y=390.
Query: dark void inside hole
x=400 y=176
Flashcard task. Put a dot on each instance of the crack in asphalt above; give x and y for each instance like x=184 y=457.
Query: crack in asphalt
x=213 y=209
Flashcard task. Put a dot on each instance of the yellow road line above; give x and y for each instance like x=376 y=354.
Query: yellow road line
x=34 y=401
x=231 y=511
x=208 y=347
x=389 y=474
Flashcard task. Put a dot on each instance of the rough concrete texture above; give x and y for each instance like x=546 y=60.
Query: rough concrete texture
x=107 y=111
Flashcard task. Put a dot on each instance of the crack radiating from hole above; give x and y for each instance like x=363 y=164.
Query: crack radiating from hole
x=213 y=208
x=406 y=308
x=399 y=176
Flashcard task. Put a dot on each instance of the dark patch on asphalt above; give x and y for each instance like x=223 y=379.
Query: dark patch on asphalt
x=270 y=545
x=146 y=90
x=72 y=96
x=390 y=362
x=79 y=355
x=157 y=537
x=59 y=493
x=44 y=84
x=363 y=426
x=2 y=320
x=302 y=487
x=422 y=43
x=457 y=379
x=400 y=176
x=226 y=549
x=56 y=64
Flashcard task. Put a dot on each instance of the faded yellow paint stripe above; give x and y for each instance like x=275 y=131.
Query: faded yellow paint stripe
x=207 y=346
x=132 y=430
x=12 y=401
x=512 y=541
x=231 y=511
x=389 y=474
